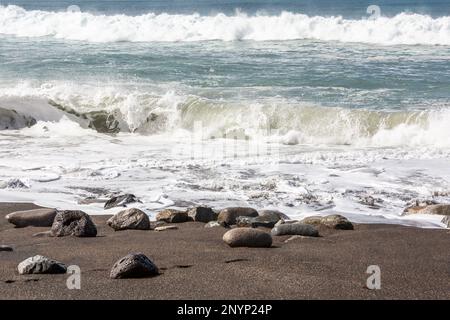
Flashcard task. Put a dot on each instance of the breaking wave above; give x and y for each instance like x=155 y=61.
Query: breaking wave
x=112 y=110
x=404 y=28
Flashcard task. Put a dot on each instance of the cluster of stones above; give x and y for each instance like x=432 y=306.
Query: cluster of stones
x=133 y=265
x=248 y=228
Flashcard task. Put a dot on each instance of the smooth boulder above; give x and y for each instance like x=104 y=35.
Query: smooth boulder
x=227 y=217
x=121 y=201
x=173 y=216
x=73 y=223
x=133 y=219
x=298 y=229
x=202 y=214
x=247 y=237
x=41 y=265
x=134 y=265
x=32 y=218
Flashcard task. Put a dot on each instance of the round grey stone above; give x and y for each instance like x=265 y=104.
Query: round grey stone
x=247 y=237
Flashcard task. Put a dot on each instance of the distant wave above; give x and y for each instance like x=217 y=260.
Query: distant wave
x=402 y=29
x=113 y=110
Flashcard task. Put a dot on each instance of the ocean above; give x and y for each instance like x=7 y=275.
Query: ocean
x=309 y=107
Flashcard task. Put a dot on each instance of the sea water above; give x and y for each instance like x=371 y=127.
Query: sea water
x=309 y=107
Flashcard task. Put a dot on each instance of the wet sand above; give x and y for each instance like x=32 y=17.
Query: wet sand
x=197 y=264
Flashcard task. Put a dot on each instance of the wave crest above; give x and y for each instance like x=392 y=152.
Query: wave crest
x=402 y=29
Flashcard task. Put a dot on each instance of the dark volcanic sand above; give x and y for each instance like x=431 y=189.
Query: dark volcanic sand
x=197 y=264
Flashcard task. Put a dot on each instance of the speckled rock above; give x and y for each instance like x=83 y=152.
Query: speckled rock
x=73 y=223
x=134 y=265
x=40 y=264
x=133 y=219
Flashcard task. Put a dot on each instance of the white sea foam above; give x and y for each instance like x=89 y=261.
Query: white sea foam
x=404 y=28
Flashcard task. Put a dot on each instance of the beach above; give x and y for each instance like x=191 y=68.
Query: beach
x=195 y=263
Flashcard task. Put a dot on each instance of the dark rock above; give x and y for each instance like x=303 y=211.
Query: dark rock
x=15 y=184
x=121 y=201
x=247 y=237
x=32 y=218
x=202 y=214
x=255 y=222
x=295 y=229
x=5 y=248
x=173 y=216
x=273 y=215
x=134 y=265
x=227 y=217
x=129 y=219
x=12 y=120
x=39 y=264
x=73 y=223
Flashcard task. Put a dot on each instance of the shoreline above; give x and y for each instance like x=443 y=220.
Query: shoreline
x=197 y=264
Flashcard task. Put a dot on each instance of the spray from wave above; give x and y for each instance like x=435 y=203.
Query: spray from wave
x=114 y=110
x=407 y=29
